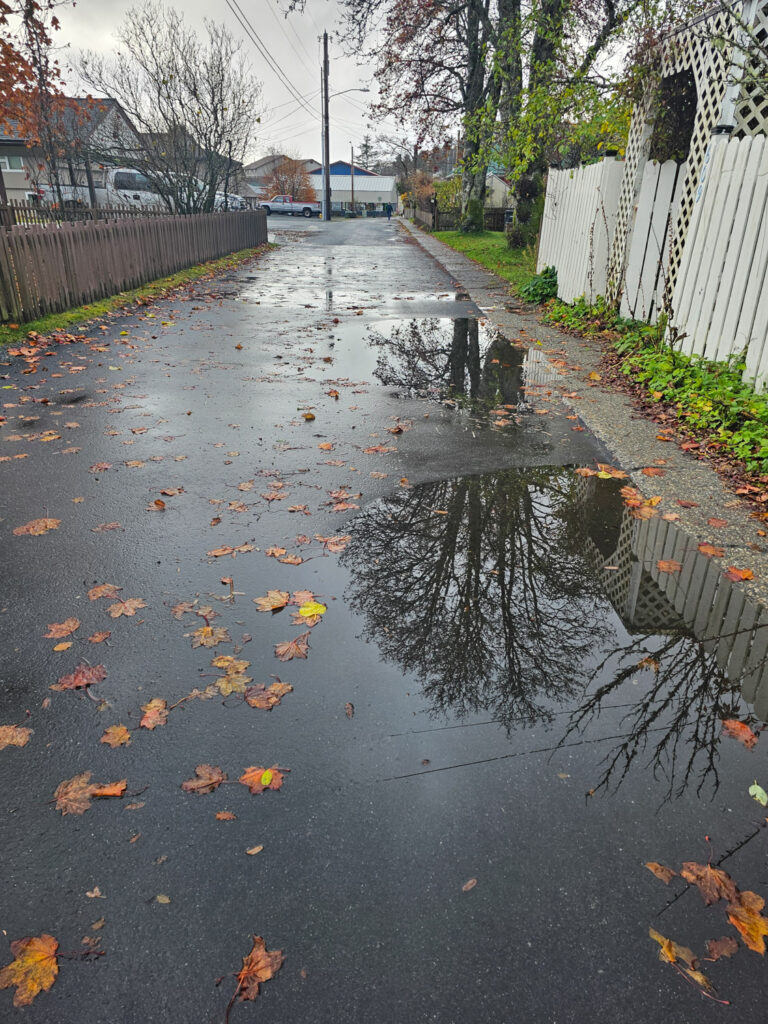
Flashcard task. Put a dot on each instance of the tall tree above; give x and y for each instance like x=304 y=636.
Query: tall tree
x=195 y=102
x=32 y=103
x=290 y=178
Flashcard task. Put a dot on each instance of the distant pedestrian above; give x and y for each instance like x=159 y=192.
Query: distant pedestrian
x=388 y=208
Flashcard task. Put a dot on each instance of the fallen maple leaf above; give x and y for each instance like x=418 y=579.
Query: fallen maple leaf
x=116 y=736
x=37 y=527
x=717 y=523
x=103 y=590
x=257 y=779
x=209 y=636
x=182 y=608
x=726 y=946
x=273 y=602
x=301 y=597
x=289 y=649
x=73 y=796
x=104 y=527
x=207 y=778
x=259 y=966
x=291 y=560
x=128 y=607
x=652 y=471
x=344 y=506
x=710 y=550
x=99 y=638
x=155 y=713
x=34 y=968
x=14 y=736
x=661 y=871
x=225 y=816
x=744 y=914
x=83 y=675
x=737 y=575
x=267 y=697
x=669 y=565
x=334 y=544
x=57 y=630
x=713 y=883
x=274 y=552
x=740 y=731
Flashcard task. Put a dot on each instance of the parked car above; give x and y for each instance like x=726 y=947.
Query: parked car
x=286 y=204
x=113 y=186
x=229 y=201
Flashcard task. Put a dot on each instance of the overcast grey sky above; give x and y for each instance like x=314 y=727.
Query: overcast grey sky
x=294 y=45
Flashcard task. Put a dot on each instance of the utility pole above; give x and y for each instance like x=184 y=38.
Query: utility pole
x=326 y=133
x=352 y=168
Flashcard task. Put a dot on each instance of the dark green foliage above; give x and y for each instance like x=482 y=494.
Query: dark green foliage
x=516 y=236
x=542 y=287
x=473 y=217
x=707 y=397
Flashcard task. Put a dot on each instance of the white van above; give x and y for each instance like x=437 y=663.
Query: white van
x=114 y=186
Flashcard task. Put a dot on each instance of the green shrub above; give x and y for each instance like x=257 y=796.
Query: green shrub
x=709 y=398
x=542 y=287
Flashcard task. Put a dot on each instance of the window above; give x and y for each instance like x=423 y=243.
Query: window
x=125 y=181
x=11 y=163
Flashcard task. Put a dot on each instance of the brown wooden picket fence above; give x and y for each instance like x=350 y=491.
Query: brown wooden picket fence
x=16 y=212
x=54 y=267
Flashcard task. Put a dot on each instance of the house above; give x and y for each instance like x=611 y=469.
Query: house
x=257 y=172
x=343 y=167
x=371 y=191
x=16 y=163
x=498 y=191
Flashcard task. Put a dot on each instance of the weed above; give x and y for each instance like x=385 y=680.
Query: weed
x=540 y=288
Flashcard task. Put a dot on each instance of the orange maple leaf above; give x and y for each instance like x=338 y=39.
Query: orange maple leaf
x=37 y=527
x=289 y=649
x=57 y=630
x=14 y=736
x=116 y=736
x=128 y=607
x=668 y=565
x=740 y=731
x=267 y=697
x=257 y=778
x=259 y=966
x=273 y=602
x=713 y=883
x=84 y=675
x=103 y=590
x=744 y=914
x=155 y=713
x=34 y=969
x=73 y=796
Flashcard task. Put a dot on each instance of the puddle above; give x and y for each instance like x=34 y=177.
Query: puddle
x=455 y=360
x=536 y=598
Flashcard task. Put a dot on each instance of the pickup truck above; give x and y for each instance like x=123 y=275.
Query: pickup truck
x=285 y=204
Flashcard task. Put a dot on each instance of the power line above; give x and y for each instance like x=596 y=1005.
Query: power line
x=261 y=47
x=281 y=23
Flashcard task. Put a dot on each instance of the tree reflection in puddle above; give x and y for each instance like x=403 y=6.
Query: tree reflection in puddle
x=535 y=596
x=451 y=359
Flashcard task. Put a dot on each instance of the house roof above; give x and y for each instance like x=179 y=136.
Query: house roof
x=344 y=167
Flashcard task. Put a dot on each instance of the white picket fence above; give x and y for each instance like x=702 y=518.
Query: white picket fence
x=577 y=227
x=645 y=278
x=720 y=302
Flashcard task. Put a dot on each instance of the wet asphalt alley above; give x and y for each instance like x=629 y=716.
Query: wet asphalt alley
x=501 y=713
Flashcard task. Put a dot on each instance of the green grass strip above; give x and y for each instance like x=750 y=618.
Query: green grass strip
x=80 y=316
x=490 y=250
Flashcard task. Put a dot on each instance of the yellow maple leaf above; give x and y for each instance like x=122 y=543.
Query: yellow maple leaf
x=34 y=969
